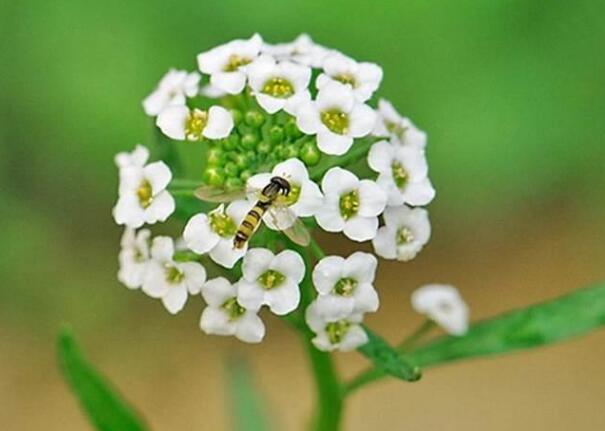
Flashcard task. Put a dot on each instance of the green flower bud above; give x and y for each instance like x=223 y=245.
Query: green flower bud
x=249 y=140
x=231 y=169
x=292 y=129
x=215 y=156
x=291 y=151
x=254 y=119
x=241 y=161
x=309 y=153
x=264 y=147
x=231 y=142
x=233 y=183
x=237 y=116
x=244 y=175
x=276 y=134
x=213 y=177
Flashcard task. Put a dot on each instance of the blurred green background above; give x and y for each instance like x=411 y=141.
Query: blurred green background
x=512 y=95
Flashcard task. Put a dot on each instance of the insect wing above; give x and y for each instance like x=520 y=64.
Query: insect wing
x=286 y=221
x=219 y=195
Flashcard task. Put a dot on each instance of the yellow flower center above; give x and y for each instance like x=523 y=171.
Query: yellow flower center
x=174 y=275
x=145 y=194
x=349 y=204
x=271 y=279
x=222 y=224
x=337 y=330
x=404 y=236
x=293 y=196
x=336 y=121
x=346 y=78
x=233 y=309
x=400 y=175
x=235 y=62
x=345 y=286
x=195 y=124
x=278 y=87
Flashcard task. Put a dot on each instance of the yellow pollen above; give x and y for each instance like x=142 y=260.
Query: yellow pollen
x=336 y=121
x=145 y=194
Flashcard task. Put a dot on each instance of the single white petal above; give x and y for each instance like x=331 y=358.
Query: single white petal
x=380 y=157
x=339 y=181
x=269 y=103
x=327 y=272
x=172 y=121
x=332 y=143
x=216 y=322
x=256 y=262
x=335 y=307
x=309 y=201
x=384 y=243
x=128 y=212
x=250 y=328
x=360 y=266
x=294 y=102
x=250 y=295
x=174 y=300
x=328 y=216
x=335 y=95
x=360 y=228
x=290 y=264
x=158 y=174
x=366 y=299
x=198 y=234
x=354 y=338
x=372 y=199
x=307 y=118
x=283 y=299
x=421 y=193
x=217 y=291
x=443 y=304
x=321 y=342
x=162 y=249
x=162 y=206
x=195 y=276
x=155 y=284
x=225 y=254
x=220 y=123
x=230 y=82
x=314 y=319
x=362 y=120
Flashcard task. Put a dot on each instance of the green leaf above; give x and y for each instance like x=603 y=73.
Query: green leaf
x=105 y=408
x=388 y=360
x=247 y=406
x=545 y=323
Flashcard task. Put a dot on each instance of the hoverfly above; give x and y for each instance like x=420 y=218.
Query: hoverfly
x=271 y=201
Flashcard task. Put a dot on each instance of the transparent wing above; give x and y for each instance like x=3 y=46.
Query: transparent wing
x=221 y=195
x=287 y=222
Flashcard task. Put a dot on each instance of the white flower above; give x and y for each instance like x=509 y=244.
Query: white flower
x=350 y=205
x=179 y=122
x=402 y=172
x=442 y=303
x=406 y=231
x=362 y=78
x=133 y=257
x=137 y=158
x=304 y=199
x=345 y=286
x=169 y=280
x=213 y=233
x=279 y=86
x=225 y=315
x=302 y=50
x=271 y=280
x=334 y=333
x=173 y=89
x=143 y=197
x=336 y=118
x=391 y=124
x=226 y=64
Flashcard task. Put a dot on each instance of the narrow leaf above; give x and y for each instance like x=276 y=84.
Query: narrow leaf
x=388 y=360
x=105 y=408
x=549 y=322
x=246 y=403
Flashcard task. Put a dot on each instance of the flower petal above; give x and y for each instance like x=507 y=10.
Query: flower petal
x=372 y=199
x=217 y=291
x=195 y=276
x=283 y=299
x=172 y=120
x=327 y=272
x=174 y=300
x=256 y=262
x=250 y=328
x=290 y=264
x=360 y=228
x=215 y=321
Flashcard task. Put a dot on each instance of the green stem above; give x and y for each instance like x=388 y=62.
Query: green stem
x=411 y=341
x=330 y=399
x=183 y=183
x=316 y=249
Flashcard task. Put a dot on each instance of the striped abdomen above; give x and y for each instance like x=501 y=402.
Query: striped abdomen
x=251 y=222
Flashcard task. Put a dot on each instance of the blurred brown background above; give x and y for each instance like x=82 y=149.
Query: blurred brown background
x=512 y=94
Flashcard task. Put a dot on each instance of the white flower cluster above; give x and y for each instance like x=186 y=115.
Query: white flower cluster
x=303 y=105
